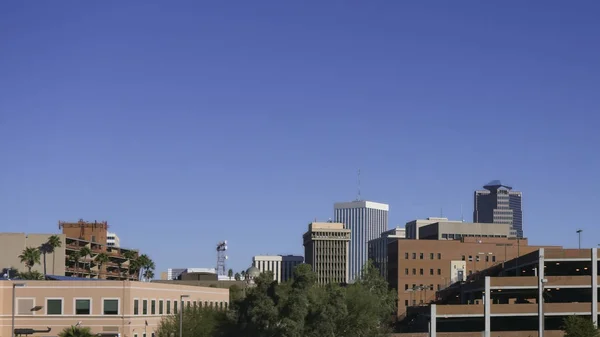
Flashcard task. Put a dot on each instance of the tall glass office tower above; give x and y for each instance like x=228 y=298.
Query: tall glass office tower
x=366 y=221
x=498 y=203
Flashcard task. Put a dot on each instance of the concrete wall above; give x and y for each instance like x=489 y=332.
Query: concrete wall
x=36 y=293
x=13 y=244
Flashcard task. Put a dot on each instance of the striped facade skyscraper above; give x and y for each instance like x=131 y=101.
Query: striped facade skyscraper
x=366 y=221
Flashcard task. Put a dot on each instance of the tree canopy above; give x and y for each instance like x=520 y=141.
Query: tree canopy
x=76 y=331
x=298 y=308
x=577 y=326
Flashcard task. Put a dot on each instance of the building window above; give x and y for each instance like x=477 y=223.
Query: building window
x=439 y=256
x=439 y=272
x=406 y=256
x=406 y=303
x=470 y=258
x=493 y=258
x=463 y=258
x=477 y=258
x=54 y=307
x=431 y=256
x=487 y=258
x=145 y=307
x=406 y=286
x=431 y=271
x=136 y=307
x=111 y=307
x=414 y=256
x=405 y=271
x=439 y=287
x=414 y=271
x=420 y=256
x=206 y=304
x=83 y=307
x=153 y=307
x=421 y=271
x=160 y=307
x=175 y=307
x=168 y=307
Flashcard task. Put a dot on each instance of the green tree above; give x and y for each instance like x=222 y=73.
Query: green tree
x=576 y=326
x=53 y=242
x=130 y=255
x=76 y=331
x=237 y=276
x=45 y=249
x=144 y=264
x=230 y=273
x=31 y=275
x=75 y=257
x=202 y=322
x=236 y=294
x=101 y=259
x=30 y=256
x=84 y=252
x=148 y=274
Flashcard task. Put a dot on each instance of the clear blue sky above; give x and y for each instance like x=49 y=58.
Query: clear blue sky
x=183 y=123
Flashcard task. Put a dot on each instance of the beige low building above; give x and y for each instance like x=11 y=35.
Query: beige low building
x=13 y=245
x=111 y=308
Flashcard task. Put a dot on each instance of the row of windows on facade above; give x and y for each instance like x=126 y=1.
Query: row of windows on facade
x=422 y=256
x=161 y=311
x=477 y=259
x=459 y=236
x=111 y=306
x=421 y=272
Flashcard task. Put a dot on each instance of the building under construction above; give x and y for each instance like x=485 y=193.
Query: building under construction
x=93 y=236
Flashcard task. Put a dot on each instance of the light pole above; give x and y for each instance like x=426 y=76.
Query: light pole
x=14 y=286
x=579 y=234
x=181 y=314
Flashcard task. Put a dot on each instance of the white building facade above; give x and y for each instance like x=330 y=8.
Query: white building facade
x=366 y=221
x=270 y=263
x=282 y=266
x=112 y=240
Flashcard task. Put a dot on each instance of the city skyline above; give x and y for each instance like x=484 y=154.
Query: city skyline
x=186 y=125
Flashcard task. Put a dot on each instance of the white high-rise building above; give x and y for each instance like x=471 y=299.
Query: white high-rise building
x=112 y=240
x=366 y=221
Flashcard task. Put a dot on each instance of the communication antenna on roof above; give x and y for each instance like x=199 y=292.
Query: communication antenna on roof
x=358 y=184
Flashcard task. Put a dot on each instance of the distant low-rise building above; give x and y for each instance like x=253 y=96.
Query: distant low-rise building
x=378 y=248
x=412 y=227
x=282 y=266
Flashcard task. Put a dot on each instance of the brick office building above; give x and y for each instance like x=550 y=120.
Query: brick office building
x=419 y=268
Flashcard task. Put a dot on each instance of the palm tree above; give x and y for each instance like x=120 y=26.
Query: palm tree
x=54 y=242
x=84 y=252
x=145 y=264
x=130 y=255
x=148 y=274
x=75 y=257
x=101 y=259
x=76 y=331
x=44 y=249
x=31 y=275
x=30 y=256
x=243 y=273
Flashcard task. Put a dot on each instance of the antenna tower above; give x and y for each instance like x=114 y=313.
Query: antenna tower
x=221 y=257
x=358 y=198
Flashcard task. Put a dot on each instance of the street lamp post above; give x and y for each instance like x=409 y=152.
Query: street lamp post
x=181 y=314
x=579 y=236
x=14 y=286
